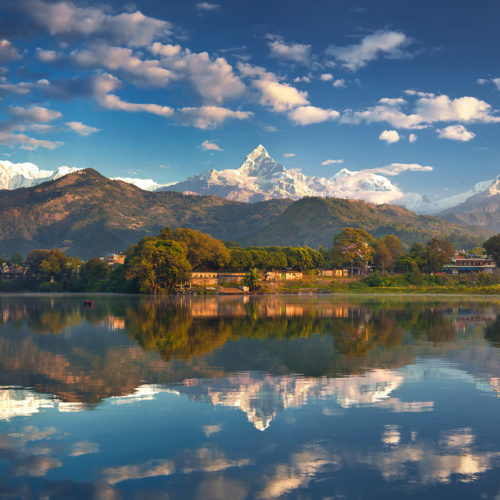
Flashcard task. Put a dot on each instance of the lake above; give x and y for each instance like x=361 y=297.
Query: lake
x=310 y=397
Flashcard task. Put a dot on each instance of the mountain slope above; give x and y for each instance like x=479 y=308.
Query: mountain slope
x=481 y=208
x=314 y=221
x=86 y=214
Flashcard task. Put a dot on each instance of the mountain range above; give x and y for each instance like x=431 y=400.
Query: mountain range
x=86 y=214
x=261 y=178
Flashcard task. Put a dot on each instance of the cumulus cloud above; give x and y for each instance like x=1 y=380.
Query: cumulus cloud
x=296 y=52
x=46 y=56
x=165 y=50
x=339 y=83
x=389 y=136
x=210 y=146
x=280 y=97
x=307 y=115
x=81 y=128
x=289 y=155
x=326 y=77
x=8 y=52
x=64 y=18
x=456 y=133
x=303 y=79
x=207 y=7
x=428 y=109
x=494 y=81
x=213 y=79
x=35 y=113
x=206 y=117
x=331 y=162
x=147 y=72
x=106 y=83
x=412 y=138
x=388 y=44
x=11 y=138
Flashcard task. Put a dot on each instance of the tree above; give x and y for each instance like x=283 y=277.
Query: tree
x=16 y=259
x=492 y=247
x=203 y=251
x=158 y=265
x=439 y=252
x=352 y=246
x=252 y=279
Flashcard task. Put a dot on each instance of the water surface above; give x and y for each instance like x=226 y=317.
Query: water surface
x=234 y=398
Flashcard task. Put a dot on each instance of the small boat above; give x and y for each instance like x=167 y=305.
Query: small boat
x=89 y=303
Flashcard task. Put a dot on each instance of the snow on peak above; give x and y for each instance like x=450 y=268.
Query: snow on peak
x=146 y=184
x=21 y=175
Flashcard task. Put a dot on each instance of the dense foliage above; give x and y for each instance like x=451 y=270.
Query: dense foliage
x=158 y=264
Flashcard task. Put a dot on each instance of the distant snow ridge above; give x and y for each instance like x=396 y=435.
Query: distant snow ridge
x=260 y=178
x=21 y=175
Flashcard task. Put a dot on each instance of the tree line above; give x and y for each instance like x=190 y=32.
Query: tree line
x=156 y=264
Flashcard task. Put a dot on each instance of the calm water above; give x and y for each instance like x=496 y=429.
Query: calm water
x=233 y=398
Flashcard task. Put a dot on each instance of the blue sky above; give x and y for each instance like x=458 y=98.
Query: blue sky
x=167 y=89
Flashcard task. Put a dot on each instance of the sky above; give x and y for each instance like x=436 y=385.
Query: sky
x=165 y=89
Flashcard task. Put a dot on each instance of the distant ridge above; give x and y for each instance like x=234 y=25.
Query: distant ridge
x=85 y=214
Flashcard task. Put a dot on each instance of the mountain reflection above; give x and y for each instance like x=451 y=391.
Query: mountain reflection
x=260 y=354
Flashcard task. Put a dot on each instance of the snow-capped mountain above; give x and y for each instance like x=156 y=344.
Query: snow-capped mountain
x=480 y=206
x=20 y=175
x=146 y=184
x=260 y=177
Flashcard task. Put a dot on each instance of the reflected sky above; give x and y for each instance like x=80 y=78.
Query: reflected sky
x=234 y=398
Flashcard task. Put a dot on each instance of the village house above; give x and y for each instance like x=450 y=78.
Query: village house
x=286 y=275
x=114 y=259
x=12 y=271
x=467 y=264
x=333 y=273
x=213 y=278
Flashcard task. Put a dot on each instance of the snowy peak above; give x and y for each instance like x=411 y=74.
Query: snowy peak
x=22 y=175
x=259 y=164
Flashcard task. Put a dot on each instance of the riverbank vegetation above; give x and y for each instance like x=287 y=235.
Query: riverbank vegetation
x=159 y=264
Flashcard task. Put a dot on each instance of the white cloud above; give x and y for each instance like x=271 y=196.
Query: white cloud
x=463 y=109
x=47 y=56
x=81 y=128
x=494 y=81
x=428 y=109
x=11 y=138
x=388 y=44
x=296 y=52
x=326 y=77
x=209 y=116
x=412 y=138
x=111 y=101
x=389 y=136
x=456 y=133
x=213 y=79
x=303 y=79
x=207 y=7
x=8 y=52
x=66 y=19
x=331 y=162
x=146 y=72
x=106 y=83
x=398 y=168
x=339 y=83
x=165 y=50
x=280 y=97
x=210 y=146
x=35 y=113
x=289 y=155
x=307 y=115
